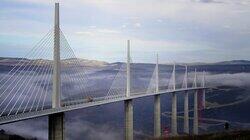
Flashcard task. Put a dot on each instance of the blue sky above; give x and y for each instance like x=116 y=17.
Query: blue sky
x=179 y=30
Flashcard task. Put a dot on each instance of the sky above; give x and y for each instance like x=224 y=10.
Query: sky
x=178 y=30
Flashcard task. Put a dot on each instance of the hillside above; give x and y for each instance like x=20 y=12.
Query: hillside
x=6 y=61
x=7 y=136
x=235 y=135
x=97 y=63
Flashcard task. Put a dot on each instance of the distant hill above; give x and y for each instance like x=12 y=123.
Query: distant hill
x=86 y=62
x=234 y=62
x=234 y=135
x=8 y=61
x=7 y=136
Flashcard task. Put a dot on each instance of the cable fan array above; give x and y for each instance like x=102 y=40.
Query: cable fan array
x=118 y=87
x=139 y=81
x=26 y=86
x=74 y=75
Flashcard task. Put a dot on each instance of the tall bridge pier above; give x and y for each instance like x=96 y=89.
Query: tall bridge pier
x=56 y=126
x=195 y=116
x=174 y=108
x=157 y=104
x=195 y=120
x=174 y=115
x=128 y=105
x=186 y=112
x=157 y=116
x=56 y=121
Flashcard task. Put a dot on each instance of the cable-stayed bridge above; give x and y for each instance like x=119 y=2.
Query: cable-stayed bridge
x=50 y=80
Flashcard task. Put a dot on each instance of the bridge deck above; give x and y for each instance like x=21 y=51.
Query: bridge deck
x=82 y=104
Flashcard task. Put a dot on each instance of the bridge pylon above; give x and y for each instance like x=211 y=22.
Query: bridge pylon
x=56 y=62
x=203 y=91
x=56 y=121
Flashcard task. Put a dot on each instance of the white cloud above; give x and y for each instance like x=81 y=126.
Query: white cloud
x=93 y=27
x=237 y=79
x=201 y=9
x=92 y=131
x=109 y=31
x=159 y=20
x=93 y=31
x=211 y=13
x=227 y=26
x=124 y=26
x=84 y=33
x=137 y=25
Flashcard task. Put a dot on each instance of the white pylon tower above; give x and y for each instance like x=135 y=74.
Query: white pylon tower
x=174 y=77
x=203 y=91
x=174 y=108
x=56 y=121
x=128 y=69
x=157 y=74
x=56 y=63
x=186 y=76
x=186 y=114
x=195 y=78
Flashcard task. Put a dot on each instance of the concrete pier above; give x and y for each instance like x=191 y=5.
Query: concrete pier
x=174 y=115
x=157 y=116
x=195 y=120
x=56 y=127
x=157 y=103
x=186 y=113
x=174 y=108
x=128 y=119
x=204 y=98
